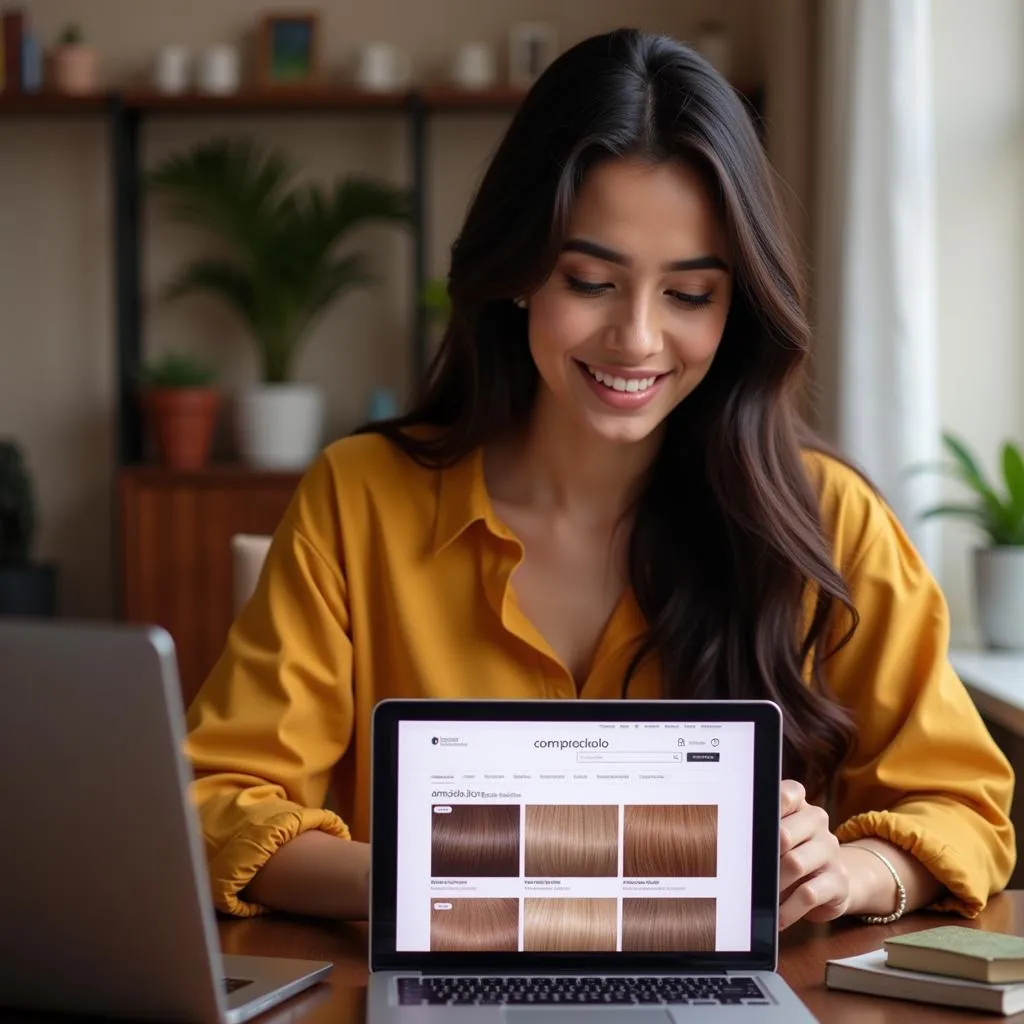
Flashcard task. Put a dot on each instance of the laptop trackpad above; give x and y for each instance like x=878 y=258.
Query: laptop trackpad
x=515 y=1015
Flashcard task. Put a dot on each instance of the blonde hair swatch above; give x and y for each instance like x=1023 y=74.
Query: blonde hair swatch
x=475 y=840
x=670 y=841
x=572 y=840
x=668 y=925
x=460 y=925
x=572 y=925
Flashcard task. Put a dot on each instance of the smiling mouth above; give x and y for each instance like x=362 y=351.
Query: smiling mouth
x=614 y=382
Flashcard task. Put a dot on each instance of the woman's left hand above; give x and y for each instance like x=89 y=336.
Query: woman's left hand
x=813 y=880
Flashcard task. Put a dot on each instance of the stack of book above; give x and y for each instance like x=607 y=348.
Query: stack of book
x=951 y=966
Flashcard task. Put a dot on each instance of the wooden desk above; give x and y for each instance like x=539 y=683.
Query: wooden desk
x=805 y=948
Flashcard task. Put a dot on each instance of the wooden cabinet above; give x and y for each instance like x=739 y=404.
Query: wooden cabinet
x=175 y=551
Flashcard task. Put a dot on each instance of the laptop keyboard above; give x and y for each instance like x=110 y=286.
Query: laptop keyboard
x=234 y=984
x=713 y=990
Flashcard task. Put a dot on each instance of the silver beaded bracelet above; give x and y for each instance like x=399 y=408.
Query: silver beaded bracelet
x=901 y=894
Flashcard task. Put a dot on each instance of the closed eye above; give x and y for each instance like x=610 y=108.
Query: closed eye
x=692 y=301
x=586 y=287
x=595 y=288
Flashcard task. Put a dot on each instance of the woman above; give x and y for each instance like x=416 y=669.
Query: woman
x=605 y=491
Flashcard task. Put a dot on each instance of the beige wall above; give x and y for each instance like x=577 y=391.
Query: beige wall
x=979 y=103
x=56 y=280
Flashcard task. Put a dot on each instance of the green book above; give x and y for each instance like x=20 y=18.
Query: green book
x=959 y=953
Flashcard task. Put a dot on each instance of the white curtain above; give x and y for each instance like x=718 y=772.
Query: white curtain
x=876 y=247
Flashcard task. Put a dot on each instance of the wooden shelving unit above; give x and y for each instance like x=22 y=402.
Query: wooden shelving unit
x=50 y=104
x=265 y=102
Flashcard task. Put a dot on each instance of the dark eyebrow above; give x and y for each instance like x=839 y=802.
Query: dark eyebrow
x=581 y=245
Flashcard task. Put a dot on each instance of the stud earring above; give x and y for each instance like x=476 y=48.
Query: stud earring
x=520 y=302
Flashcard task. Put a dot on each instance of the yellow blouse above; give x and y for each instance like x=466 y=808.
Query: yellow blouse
x=386 y=579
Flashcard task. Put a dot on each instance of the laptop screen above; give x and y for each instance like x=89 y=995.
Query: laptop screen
x=585 y=837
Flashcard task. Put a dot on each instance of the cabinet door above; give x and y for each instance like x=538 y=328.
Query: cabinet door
x=176 y=572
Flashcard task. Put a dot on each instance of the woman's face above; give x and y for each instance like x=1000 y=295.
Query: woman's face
x=630 y=319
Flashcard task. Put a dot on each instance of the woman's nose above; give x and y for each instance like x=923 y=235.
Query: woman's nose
x=638 y=334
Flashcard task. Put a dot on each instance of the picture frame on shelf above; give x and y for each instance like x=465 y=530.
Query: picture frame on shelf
x=288 y=51
x=532 y=46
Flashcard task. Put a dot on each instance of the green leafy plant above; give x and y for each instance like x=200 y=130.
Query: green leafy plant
x=178 y=370
x=71 y=35
x=17 y=506
x=999 y=515
x=282 y=268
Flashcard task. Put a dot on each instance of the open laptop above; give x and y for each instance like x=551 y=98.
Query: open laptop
x=105 y=905
x=538 y=860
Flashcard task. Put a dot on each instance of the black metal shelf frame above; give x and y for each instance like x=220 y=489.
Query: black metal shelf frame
x=125 y=121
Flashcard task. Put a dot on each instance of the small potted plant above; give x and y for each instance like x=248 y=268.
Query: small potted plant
x=282 y=268
x=74 y=63
x=27 y=588
x=181 y=404
x=998 y=511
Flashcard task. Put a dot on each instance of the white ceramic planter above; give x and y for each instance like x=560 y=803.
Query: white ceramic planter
x=279 y=425
x=999 y=593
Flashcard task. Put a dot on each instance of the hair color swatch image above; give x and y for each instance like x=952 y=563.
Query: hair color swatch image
x=571 y=840
x=475 y=840
x=570 y=925
x=668 y=925
x=461 y=925
x=670 y=841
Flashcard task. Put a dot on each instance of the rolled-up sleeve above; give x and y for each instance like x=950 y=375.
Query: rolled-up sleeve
x=275 y=714
x=925 y=774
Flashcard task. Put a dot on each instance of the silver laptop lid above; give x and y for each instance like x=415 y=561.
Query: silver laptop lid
x=596 y=836
x=104 y=851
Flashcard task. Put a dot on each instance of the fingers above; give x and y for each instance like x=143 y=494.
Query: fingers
x=806 y=860
x=822 y=897
x=792 y=796
x=812 y=880
x=800 y=826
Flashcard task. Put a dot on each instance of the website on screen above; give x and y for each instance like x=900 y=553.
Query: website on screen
x=574 y=837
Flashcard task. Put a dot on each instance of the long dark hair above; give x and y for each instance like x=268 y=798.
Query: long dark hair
x=727 y=556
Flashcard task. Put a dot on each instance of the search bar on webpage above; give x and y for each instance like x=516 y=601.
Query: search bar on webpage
x=627 y=757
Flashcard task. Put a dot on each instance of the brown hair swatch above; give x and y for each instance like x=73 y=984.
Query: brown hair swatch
x=573 y=925
x=572 y=840
x=668 y=925
x=670 y=841
x=475 y=840
x=459 y=925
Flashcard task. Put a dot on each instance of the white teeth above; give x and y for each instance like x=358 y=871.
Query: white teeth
x=621 y=383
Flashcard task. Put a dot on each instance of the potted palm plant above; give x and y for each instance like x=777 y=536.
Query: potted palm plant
x=281 y=271
x=26 y=587
x=180 y=404
x=998 y=511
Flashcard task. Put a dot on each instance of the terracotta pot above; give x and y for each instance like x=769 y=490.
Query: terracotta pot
x=74 y=70
x=182 y=421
